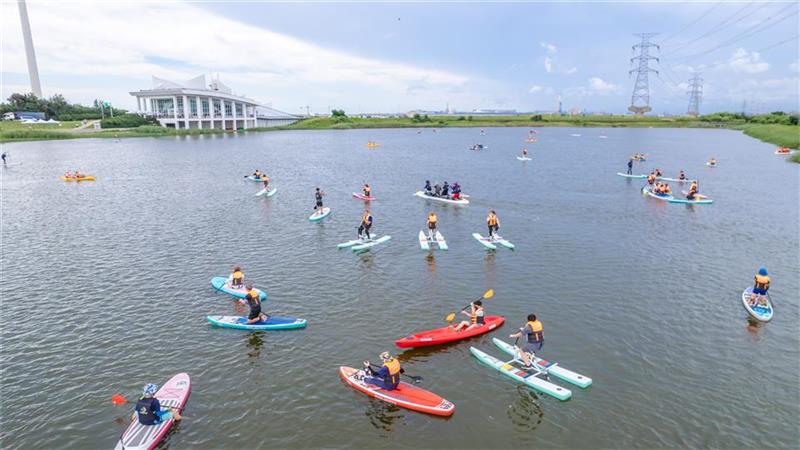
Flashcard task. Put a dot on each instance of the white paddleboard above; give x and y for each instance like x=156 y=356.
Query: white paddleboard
x=269 y=193
x=440 y=241
x=502 y=241
x=484 y=241
x=364 y=247
x=462 y=201
x=524 y=158
x=316 y=217
x=423 y=241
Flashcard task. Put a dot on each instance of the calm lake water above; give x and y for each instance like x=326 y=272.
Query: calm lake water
x=105 y=287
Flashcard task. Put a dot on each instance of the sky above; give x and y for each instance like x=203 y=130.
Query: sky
x=400 y=56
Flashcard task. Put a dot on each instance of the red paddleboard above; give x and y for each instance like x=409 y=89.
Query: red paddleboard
x=174 y=394
x=445 y=334
x=363 y=197
x=406 y=395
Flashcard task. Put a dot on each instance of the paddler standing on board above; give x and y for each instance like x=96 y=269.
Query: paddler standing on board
x=366 y=190
x=534 y=339
x=524 y=152
x=761 y=287
x=630 y=166
x=493 y=223
x=388 y=376
x=148 y=409
x=432 y=222
x=318 y=197
x=366 y=224
x=265 y=180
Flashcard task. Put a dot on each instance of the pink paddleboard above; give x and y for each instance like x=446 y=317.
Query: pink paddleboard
x=363 y=197
x=174 y=394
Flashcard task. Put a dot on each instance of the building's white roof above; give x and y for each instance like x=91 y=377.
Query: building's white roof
x=195 y=86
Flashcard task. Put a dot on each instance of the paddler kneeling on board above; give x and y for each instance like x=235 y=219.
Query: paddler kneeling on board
x=493 y=222
x=388 y=376
x=253 y=299
x=366 y=224
x=236 y=279
x=149 y=410
x=760 y=288
x=432 y=221
x=534 y=339
x=428 y=188
x=475 y=317
x=693 y=191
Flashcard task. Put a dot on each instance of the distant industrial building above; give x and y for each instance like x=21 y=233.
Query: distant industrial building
x=194 y=104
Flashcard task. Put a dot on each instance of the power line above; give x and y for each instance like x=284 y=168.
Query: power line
x=640 y=99
x=719 y=27
x=760 y=50
x=688 y=25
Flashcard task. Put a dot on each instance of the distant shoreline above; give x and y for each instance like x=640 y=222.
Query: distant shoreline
x=779 y=135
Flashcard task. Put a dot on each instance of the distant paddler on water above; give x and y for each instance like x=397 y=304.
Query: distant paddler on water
x=760 y=288
x=320 y=212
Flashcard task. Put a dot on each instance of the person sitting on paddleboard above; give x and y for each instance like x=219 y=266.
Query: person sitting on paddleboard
x=651 y=179
x=78 y=174
x=437 y=190
x=456 y=191
x=388 y=376
x=366 y=224
x=630 y=166
x=257 y=173
x=367 y=190
x=682 y=176
x=713 y=161
x=524 y=152
x=761 y=287
x=475 y=317
x=493 y=222
x=253 y=299
x=318 y=197
x=428 y=187
x=236 y=279
x=534 y=339
x=445 y=189
x=432 y=220
x=148 y=409
x=693 y=191
x=658 y=172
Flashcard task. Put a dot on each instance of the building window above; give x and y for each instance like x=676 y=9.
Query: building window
x=228 y=110
x=180 y=106
x=193 y=107
x=205 y=108
x=217 y=108
x=164 y=107
x=239 y=112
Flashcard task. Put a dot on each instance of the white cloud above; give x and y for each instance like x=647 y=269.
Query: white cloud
x=747 y=62
x=255 y=61
x=551 y=48
x=535 y=89
x=548 y=64
x=794 y=67
x=570 y=71
x=601 y=86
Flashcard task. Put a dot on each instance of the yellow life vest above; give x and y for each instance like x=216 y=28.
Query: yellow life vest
x=473 y=318
x=394 y=370
x=537 y=329
x=254 y=293
x=492 y=220
x=762 y=282
x=365 y=218
x=238 y=275
x=432 y=218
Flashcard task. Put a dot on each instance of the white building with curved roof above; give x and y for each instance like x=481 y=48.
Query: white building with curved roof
x=193 y=104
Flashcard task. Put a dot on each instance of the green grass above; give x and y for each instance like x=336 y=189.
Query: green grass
x=780 y=135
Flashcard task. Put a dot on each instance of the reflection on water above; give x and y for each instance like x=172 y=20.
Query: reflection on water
x=382 y=415
x=254 y=342
x=431 y=260
x=526 y=411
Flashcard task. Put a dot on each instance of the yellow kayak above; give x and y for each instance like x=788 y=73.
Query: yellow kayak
x=86 y=178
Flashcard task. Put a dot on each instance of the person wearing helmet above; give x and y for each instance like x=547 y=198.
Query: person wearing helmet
x=388 y=376
x=148 y=409
x=236 y=278
x=534 y=339
x=475 y=317
x=761 y=286
x=253 y=299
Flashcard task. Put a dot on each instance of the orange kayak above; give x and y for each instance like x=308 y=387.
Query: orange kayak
x=86 y=178
x=406 y=395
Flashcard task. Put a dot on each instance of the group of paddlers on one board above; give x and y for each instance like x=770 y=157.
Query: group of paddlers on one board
x=387 y=375
x=444 y=191
x=660 y=188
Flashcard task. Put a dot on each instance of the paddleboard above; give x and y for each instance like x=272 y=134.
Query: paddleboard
x=86 y=178
x=369 y=244
x=221 y=284
x=551 y=368
x=631 y=176
x=318 y=217
x=711 y=165
x=502 y=241
x=14 y=164
x=440 y=241
x=677 y=180
x=529 y=377
x=269 y=193
x=405 y=395
x=575 y=135
x=272 y=323
x=699 y=200
x=666 y=197
x=423 y=241
x=446 y=334
x=524 y=158
x=422 y=194
x=363 y=197
x=484 y=241
x=761 y=311
x=777 y=152
x=174 y=394
x=252 y=178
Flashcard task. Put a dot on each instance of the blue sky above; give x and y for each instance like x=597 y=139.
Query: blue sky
x=370 y=57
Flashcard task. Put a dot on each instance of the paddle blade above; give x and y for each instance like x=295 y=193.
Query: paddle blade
x=489 y=294
x=118 y=399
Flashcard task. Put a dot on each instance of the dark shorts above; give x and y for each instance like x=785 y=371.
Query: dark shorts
x=255 y=311
x=319 y=203
x=480 y=320
x=532 y=347
x=431 y=226
x=759 y=291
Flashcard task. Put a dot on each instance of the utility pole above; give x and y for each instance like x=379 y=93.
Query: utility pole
x=33 y=68
x=560 y=110
x=640 y=100
x=695 y=95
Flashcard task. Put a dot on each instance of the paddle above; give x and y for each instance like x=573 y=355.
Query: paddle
x=119 y=399
x=486 y=295
x=415 y=379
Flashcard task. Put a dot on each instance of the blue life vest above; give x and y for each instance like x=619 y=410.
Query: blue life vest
x=145 y=409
